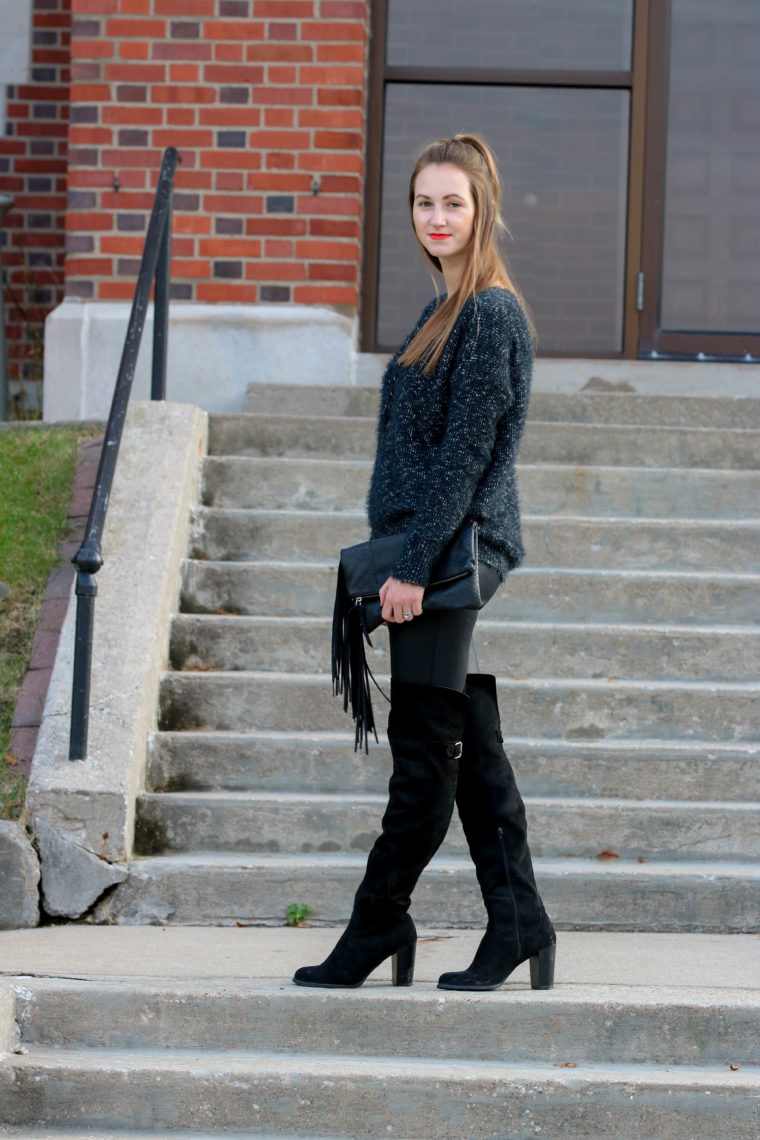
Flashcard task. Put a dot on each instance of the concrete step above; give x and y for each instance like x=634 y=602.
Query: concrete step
x=307 y=588
x=320 y=1095
x=594 y=1024
x=555 y=709
x=324 y=762
x=545 y=489
x=510 y=649
x=578 y=444
x=597 y=544
x=224 y=889
x=298 y=823
x=66 y=1132
x=150 y=1032
x=567 y=407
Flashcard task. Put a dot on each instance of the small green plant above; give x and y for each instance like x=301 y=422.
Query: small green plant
x=297 y=913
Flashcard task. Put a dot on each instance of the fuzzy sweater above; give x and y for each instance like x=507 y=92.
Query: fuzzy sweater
x=447 y=442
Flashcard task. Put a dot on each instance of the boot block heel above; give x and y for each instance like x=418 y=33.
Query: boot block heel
x=402 y=964
x=542 y=968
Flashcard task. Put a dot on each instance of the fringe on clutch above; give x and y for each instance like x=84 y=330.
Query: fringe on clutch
x=350 y=672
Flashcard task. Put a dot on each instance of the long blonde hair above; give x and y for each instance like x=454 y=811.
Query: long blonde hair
x=485 y=264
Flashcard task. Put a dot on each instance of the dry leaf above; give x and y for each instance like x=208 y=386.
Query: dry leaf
x=734 y=1067
x=608 y=854
x=568 y=1065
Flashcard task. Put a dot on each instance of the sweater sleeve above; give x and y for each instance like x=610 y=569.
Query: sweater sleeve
x=482 y=390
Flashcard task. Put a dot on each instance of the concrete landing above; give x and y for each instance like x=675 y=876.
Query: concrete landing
x=699 y=963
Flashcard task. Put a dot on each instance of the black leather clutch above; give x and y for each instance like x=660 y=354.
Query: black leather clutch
x=364 y=568
x=454 y=583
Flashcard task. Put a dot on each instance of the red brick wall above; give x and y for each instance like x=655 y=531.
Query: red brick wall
x=33 y=172
x=262 y=98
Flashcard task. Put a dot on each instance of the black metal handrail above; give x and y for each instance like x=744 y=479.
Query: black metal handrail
x=154 y=265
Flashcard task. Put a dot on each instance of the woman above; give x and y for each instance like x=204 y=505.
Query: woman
x=452 y=411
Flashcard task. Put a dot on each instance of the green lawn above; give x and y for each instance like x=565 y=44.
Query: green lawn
x=37 y=466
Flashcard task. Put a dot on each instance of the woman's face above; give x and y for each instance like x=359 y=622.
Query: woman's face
x=443 y=212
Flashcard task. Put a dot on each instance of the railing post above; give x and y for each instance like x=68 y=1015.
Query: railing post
x=88 y=561
x=161 y=312
x=6 y=204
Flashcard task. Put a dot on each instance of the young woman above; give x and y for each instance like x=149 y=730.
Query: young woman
x=452 y=410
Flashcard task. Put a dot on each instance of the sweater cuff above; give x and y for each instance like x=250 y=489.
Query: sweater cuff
x=417 y=560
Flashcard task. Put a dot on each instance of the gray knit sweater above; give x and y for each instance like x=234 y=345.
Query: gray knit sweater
x=447 y=442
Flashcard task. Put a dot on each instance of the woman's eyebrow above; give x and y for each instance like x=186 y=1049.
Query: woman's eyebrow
x=453 y=194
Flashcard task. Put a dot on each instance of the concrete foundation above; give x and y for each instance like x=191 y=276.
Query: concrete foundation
x=215 y=352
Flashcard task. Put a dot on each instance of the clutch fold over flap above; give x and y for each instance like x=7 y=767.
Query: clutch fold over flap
x=368 y=565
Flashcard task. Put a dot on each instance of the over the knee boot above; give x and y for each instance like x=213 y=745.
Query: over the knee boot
x=493 y=817
x=425 y=728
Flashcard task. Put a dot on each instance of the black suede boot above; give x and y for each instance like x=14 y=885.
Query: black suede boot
x=425 y=728
x=493 y=817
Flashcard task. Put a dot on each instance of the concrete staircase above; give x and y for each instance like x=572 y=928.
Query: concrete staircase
x=627 y=652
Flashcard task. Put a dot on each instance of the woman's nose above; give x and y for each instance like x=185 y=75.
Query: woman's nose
x=439 y=216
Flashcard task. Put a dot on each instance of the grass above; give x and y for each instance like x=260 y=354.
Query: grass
x=37 y=466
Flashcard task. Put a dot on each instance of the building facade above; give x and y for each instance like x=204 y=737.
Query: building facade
x=627 y=131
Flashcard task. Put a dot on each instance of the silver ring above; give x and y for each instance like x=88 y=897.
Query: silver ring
x=408 y=615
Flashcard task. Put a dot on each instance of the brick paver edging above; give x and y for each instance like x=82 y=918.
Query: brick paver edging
x=31 y=699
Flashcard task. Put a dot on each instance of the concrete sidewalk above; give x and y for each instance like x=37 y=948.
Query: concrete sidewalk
x=698 y=963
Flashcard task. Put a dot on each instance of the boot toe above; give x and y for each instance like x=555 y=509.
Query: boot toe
x=318 y=977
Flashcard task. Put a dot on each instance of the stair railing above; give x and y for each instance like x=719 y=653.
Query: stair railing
x=155 y=265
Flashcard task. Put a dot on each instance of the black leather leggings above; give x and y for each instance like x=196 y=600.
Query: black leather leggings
x=434 y=648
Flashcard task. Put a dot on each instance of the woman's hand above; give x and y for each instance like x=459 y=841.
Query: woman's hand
x=398 y=598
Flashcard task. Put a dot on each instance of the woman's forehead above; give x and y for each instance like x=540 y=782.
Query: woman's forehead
x=442 y=179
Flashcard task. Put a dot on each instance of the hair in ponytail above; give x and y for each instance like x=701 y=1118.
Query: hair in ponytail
x=485 y=265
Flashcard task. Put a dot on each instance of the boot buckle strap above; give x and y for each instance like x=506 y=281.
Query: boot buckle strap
x=454 y=750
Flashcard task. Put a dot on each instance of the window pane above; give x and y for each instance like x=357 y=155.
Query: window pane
x=592 y=35
x=711 y=247
x=563 y=157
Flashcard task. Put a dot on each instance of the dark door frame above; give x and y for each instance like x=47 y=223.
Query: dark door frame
x=655 y=341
